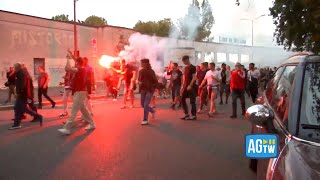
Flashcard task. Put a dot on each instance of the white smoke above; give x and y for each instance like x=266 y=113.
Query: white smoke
x=187 y=26
x=145 y=46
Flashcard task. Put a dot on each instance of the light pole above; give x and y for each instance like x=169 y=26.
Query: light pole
x=76 y=52
x=252 y=20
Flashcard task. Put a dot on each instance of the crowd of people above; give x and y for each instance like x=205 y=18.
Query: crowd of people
x=206 y=82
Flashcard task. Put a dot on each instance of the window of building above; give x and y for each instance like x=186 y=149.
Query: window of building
x=221 y=57
x=244 y=58
x=230 y=40
x=234 y=58
x=209 y=57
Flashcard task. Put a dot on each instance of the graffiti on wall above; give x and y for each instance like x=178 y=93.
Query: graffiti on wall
x=33 y=38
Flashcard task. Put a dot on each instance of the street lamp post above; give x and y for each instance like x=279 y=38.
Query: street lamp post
x=252 y=21
x=76 y=52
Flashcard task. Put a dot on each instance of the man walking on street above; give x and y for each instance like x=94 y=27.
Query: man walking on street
x=253 y=76
x=202 y=91
x=176 y=82
x=11 y=83
x=225 y=83
x=147 y=82
x=212 y=79
x=90 y=84
x=79 y=90
x=21 y=101
x=189 y=89
x=237 y=87
x=43 y=82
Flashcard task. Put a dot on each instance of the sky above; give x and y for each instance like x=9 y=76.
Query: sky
x=126 y=13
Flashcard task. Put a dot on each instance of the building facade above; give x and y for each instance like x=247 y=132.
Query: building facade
x=36 y=41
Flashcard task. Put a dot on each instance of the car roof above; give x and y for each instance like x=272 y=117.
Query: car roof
x=302 y=57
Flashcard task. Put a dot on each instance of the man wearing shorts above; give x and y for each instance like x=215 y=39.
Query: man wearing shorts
x=212 y=78
x=176 y=81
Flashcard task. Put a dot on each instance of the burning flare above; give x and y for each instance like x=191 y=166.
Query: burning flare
x=106 y=61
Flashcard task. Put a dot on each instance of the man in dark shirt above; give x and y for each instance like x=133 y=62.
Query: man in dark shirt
x=188 y=89
x=21 y=101
x=176 y=82
x=202 y=92
x=11 y=83
x=225 y=83
x=147 y=81
x=43 y=82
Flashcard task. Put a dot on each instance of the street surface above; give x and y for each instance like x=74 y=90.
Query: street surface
x=121 y=149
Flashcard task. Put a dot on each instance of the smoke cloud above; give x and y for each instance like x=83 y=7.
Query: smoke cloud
x=145 y=46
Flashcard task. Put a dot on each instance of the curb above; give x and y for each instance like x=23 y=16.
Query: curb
x=58 y=102
x=47 y=103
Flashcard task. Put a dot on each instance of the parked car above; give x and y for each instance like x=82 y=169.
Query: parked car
x=290 y=108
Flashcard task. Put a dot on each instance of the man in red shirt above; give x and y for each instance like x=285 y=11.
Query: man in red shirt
x=237 y=87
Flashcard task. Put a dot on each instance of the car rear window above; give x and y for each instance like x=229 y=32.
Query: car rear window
x=310 y=102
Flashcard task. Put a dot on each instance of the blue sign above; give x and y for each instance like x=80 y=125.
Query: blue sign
x=261 y=146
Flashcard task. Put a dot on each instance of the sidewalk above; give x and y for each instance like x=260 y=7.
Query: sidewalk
x=54 y=93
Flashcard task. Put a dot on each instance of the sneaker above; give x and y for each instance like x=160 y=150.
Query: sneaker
x=144 y=122
x=15 y=127
x=90 y=127
x=210 y=114
x=64 y=131
x=199 y=111
x=185 y=117
x=221 y=103
x=233 y=116
x=123 y=107
x=192 y=118
x=132 y=106
x=114 y=100
x=63 y=114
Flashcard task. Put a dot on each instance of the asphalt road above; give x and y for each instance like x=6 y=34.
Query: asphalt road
x=121 y=149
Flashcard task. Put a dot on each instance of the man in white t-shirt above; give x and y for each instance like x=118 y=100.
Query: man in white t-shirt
x=167 y=83
x=253 y=79
x=212 y=78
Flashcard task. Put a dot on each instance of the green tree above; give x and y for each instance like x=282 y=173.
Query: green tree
x=207 y=21
x=61 y=17
x=95 y=21
x=198 y=22
x=160 y=28
x=163 y=27
x=297 y=24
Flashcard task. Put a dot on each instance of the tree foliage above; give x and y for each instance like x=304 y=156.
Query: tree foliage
x=61 y=17
x=297 y=24
x=198 y=22
x=160 y=28
x=95 y=21
x=91 y=20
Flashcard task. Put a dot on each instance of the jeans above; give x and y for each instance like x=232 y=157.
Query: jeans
x=32 y=110
x=192 y=95
x=145 y=103
x=19 y=109
x=235 y=95
x=44 y=92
